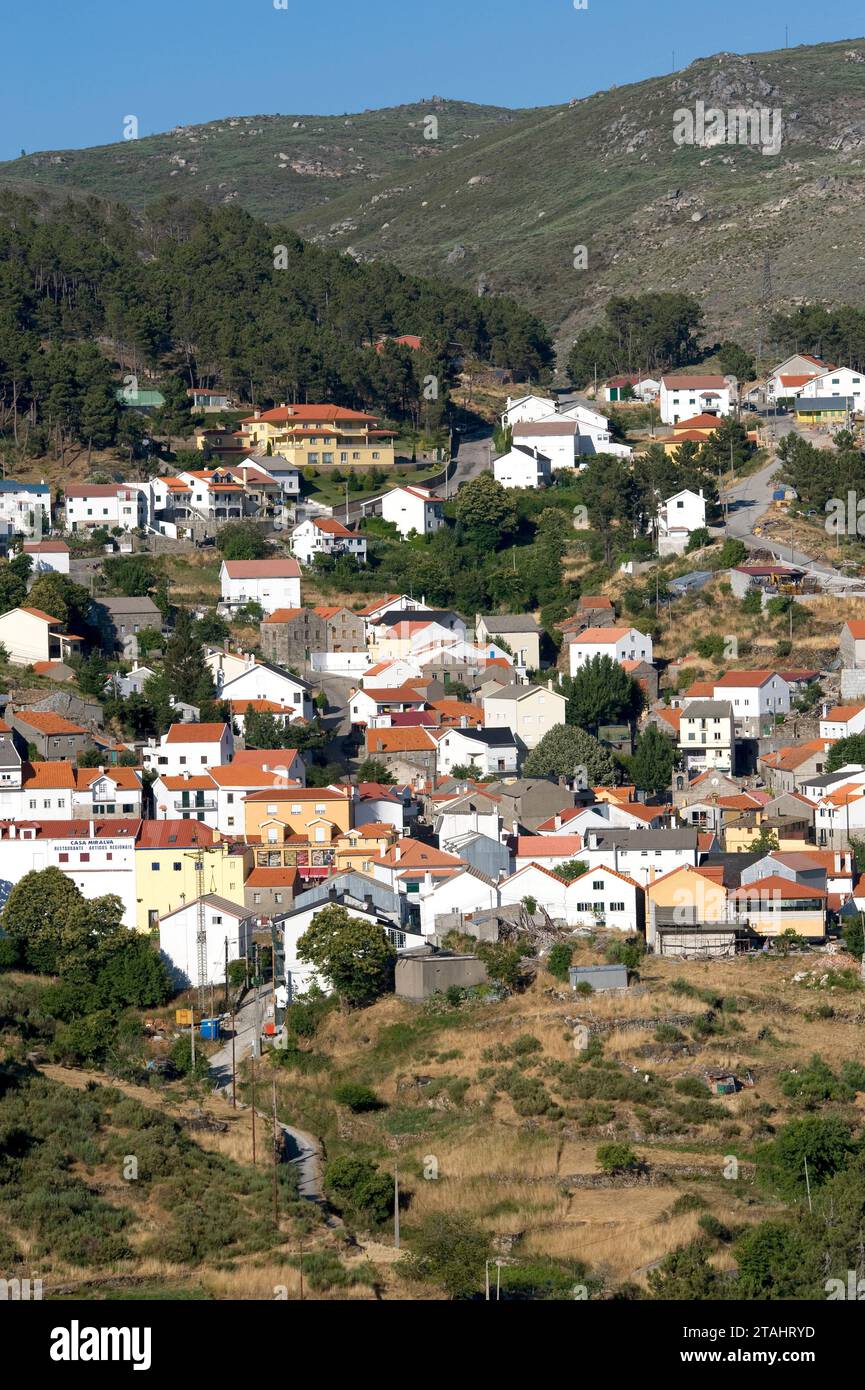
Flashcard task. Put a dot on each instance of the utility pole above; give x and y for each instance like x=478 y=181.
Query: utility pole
x=346 y=501
x=300 y=1267
x=252 y=1075
x=192 y=1035
x=275 y=1186
x=233 y=1066
x=396 y=1207
x=225 y=1003
x=808 y=1184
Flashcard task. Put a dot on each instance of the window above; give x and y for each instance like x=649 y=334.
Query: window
x=617 y=907
x=155 y=868
x=597 y=885
x=177 y=867
x=63 y=858
x=256 y=898
x=277 y=897
x=84 y=858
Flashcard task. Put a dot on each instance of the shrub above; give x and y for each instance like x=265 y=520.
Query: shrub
x=616 y=1158
x=357 y=1186
x=668 y=1033
x=357 y=1098
x=692 y=1086
x=559 y=960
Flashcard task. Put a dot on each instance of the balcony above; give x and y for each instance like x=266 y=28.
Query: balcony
x=208 y=804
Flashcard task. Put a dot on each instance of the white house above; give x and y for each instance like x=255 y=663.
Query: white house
x=29 y=635
x=599 y=897
x=373 y=704
x=522 y=467
x=186 y=796
x=25 y=508
x=273 y=583
x=48 y=557
x=413 y=509
x=391 y=674
x=840 y=721
x=225 y=923
x=706 y=735
x=259 y=680
x=684 y=394
x=189 y=748
x=618 y=643
x=837 y=381
x=549 y=851
x=441 y=897
x=492 y=751
x=325 y=536
x=103 y=792
x=678 y=517
x=98 y=856
x=521 y=409
x=642 y=855
x=124 y=505
x=556 y=438
x=790 y=377
x=756 y=697
x=529 y=711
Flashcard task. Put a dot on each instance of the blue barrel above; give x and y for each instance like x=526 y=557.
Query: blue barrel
x=211 y=1028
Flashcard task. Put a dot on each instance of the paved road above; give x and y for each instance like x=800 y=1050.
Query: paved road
x=302 y=1150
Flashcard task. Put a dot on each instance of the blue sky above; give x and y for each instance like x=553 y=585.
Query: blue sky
x=75 y=68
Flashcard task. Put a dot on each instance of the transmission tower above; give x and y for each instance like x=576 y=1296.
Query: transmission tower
x=767 y=279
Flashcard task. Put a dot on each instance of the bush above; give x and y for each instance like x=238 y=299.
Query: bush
x=357 y=1098
x=692 y=1086
x=616 y=1158
x=668 y=1033
x=358 y=1187
x=559 y=960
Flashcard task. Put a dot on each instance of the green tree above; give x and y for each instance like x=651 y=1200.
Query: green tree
x=374 y=770
x=735 y=361
x=616 y=1158
x=451 y=1251
x=355 y=956
x=602 y=692
x=242 y=540
x=131 y=575
x=846 y=750
x=731 y=554
x=66 y=601
x=486 y=511
x=564 y=749
x=357 y=1188
x=571 y=869
x=35 y=915
x=13 y=589
x=186 y=676
x=559 y=960
x=651 y=767
x=825 y=1141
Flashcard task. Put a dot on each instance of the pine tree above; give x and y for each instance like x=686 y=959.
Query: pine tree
x=651 y=767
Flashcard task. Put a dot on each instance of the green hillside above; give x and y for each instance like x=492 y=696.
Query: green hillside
x=500 y=199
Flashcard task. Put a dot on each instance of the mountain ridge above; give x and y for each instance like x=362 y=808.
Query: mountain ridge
x=503 y=198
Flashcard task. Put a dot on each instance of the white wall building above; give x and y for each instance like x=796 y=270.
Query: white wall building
x=756 y=696
x=839 y=381
x=109 y=505
x=493 y=751
x=413 y=508
x=618 y=643
x=684 y=394
x=224 y=922
x=522 y=467
x=98 y=856
x=325 y=536
x=271 y=583
x=678 y=517
x=189 y=748
x=25 y=507
x=259 y=680
x=49 y=557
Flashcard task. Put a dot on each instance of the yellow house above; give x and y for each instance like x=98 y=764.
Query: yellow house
x=687 y=914
x=356 y=849
x=167 y=875
x=316 y=813
x=320 y=435
x=774 y=904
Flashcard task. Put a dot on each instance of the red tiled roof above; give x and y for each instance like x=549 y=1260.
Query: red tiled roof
x=544 y=846
x=284 y=568
x=280 y=877
x=195 y=733
x=174 y=834
x=46 y=722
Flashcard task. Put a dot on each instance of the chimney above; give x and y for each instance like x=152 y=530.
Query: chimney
x=101 y=770
x=397 y=852
x=13 y=830
x=558 y=820
x=367 y=902
x=332 y=894
x=265 y=767
x=92 y=829
x=427 y=881
x=186 y=774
